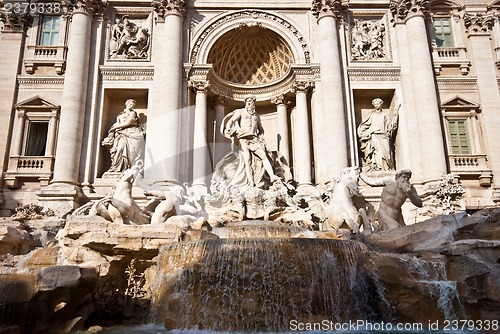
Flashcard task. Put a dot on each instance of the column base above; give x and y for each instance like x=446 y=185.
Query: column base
x=61 y=197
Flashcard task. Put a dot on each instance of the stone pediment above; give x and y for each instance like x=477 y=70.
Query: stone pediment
x=459 y=103
x=36 y=102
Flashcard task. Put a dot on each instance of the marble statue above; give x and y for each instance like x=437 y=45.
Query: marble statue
x=172 y=202
x=345 y=204
x=250 y=163
x=367 y=40
x=129 y=40
x=119 y=206
x=125 y=138
x=396 y=190
x=376 y=135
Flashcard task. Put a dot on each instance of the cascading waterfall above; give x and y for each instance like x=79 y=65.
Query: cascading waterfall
x=259 y=284
x=432 y=277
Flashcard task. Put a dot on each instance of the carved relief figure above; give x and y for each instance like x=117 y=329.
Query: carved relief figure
x=125 y=138
x=367 y=39
x=250 y=160
x=129 y=39
x=396 y=190
x=376 y=135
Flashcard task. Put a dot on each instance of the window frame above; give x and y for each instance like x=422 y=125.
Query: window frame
x=41 y=31
x=450 y=27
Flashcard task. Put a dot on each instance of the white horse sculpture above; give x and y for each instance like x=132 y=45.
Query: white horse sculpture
x=346 y=203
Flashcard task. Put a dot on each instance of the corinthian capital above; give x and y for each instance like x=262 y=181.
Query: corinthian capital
x=405 y=9
x=15 y=22
x=169 y=7
x=302 y=86
x=199 y=86
x=89 y=7
x=478 y=23
x=321 y=8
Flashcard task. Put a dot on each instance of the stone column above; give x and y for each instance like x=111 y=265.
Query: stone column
x=17 y=137
x=220 y=140
x=52 y=133
x=478 y=27
x=164 y=120
x=412 y=13
x=282 y=116
x=302 y=138
x=329 y=127
x=200 y=149
x=65 y=183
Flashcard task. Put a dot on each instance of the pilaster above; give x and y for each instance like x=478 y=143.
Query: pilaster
x=478 y=28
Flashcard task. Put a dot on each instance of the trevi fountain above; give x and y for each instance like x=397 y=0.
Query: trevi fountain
x=255 y=253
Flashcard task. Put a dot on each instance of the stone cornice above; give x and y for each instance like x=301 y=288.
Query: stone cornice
x=33 y=80
x=322 y=8
x=478 y=23
x=169 y=7
x=403 y=10
x=372 y=74
x=128 y=74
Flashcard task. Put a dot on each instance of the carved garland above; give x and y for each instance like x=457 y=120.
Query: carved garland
x=254 y=15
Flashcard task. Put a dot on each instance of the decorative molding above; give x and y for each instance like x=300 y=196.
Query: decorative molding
x=403 y=10
x=374 y=74
x=169 y=7
x=323 y=8
x=35 y=80
x=127 y=74
x=441 y=81
x=478 y=23
x=251 y=14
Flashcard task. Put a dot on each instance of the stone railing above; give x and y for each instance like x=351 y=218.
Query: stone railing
x=472 y=165
x=24 y=167
x=450 y=57
x=39 y=55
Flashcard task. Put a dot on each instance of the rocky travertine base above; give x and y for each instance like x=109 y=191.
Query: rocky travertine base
x=100 y=273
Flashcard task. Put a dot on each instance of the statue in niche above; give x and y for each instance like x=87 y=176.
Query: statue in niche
x=250 y=163
x=367 y=40
x=396 y=190
x=376 y=138
x=129 y=40
x=125 y=139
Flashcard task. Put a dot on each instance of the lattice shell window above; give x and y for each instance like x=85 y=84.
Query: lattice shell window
x=251 y=56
